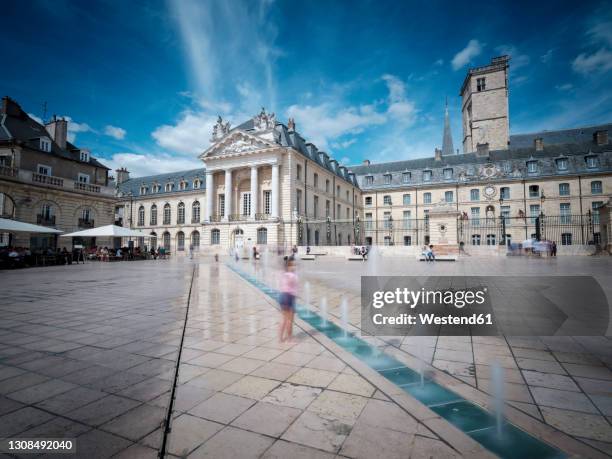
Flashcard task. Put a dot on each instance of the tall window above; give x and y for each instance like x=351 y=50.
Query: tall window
x=298 y=172
x=167 y=214
x=166 y=240
x=407 y=221
x=490 y=239
x=180 y=241
x=47 y=212
x=368 y=221
x=262 y=236
x=387 y=179
x=534 y=191
x=86 y=214
x=565 y=213
x=475 y=194
x=595 y=209
x=448 y=173
x=387 y=220
x=141 y=216
x=180 y=215
x=368 y=200
x=427 y=176
x=406 y=177
x=534 y=211
x=596 y=187
x=448 y=196
x=338 y=211
x=369 y=180
x=532 y=167
x=504 y=192
x=327 y=209
x=195 y=239
x=505 y=213
x=267 y=202
x=566 y=239
x=246 y=203
x=315 y=180
x=427 y=198
x=387 y=200
x=221 y=205
x=475 y=214
x=564 y=189
x=195 y=212
x=298 y=203
x=153 y=240
x=481 y=84
x=215 y=237
x=406 y=199
x=153 y=218
x=316 y=206
x=327 y=186
x=475 y=239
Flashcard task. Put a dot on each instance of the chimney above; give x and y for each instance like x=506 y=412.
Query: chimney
x=538 y=144
x=366 y=162
x=58 y=130
x=438 y=155
x=482 y=149
x=601 y=137
x=123 y=175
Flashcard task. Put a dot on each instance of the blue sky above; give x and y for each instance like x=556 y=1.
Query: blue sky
x=143 y=81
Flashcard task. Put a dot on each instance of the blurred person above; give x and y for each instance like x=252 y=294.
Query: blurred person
x=288 y=289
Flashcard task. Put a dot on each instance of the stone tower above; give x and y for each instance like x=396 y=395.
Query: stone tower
x=484 y=106
x=447 y=139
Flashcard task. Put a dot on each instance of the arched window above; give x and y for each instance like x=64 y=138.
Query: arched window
x=180 y=241
x=153 y=240
x=196 y=184
x=180 y=216
x=141 y=216
x=195 y=239
x=7 y=206
x=167 y=214
x=262 y=236
x=47 y=215
x=215 y=237
x=195 y=212
x=166 y=237
x=153 y=215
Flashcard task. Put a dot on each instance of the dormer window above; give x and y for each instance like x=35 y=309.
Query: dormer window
x=196 y=184
x=156 y=188
x=143 y=190
x=169 y=186
x=427 y=176
x=406 y=177
x=592 y=162
x=182 y=186
x=45 y=144
x=369 y=180
x=532 y=167
x=84 y=156
x=387 y=179
x=448 y=173
x=562 y=164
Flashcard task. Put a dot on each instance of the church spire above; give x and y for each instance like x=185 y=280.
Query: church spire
x=447 y=140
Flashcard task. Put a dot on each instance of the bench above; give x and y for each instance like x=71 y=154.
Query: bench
x=307 y=257
x=439 y=258
x=356 y=258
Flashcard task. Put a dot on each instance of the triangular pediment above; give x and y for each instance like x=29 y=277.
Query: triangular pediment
x=236 y=143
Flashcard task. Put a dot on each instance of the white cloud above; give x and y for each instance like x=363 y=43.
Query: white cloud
x=564 y=87
x=463 y=57
x=344 y=144
x=598 y=62
x=189 y=136
x=115 y=132
x=141 y=165
x=601 y=32
x=518 y=59
x=36 y=118
x=400 y=108
x=547 y=56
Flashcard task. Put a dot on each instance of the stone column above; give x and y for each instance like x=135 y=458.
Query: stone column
x=254 y=191
x=228 y=194
x=210 y=192
x=275 y=190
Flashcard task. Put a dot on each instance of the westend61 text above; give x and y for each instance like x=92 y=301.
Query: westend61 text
x=432 y=319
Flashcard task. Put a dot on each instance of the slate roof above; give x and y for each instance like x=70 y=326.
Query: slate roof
x=575 y=135
x=133 y=185
x=27 y=131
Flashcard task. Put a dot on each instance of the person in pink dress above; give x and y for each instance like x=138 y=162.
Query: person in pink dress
x=289 y=286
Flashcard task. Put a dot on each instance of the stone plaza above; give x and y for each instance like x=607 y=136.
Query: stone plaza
x=91 y=353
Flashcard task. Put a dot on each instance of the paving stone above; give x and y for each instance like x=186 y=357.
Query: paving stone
x=187 y=396
x=222 y=407
x=312 y=377
x=47 y=389
x=292 y=395
x=20 y=420
x=562 y=399
x=282 y=449
x=99 y=444
x=429 y=448
x=56 y=428
x=550 y=380
x=313 y=430
x=252 y=387
x=338 y=406
x=7 y=405
x=276 y=419
x=387 y=416
x=367 y=441
x=137 y=423
x=352 y=384
x=189 y=432
x=21 y=382
x=585 y=425
x=137 y=452
x=212 y=360
x=242 y=365
x=233 y=443
x=273 y=370
x=215 y=379
x=146 y=390
x=542 y=366
x=71 y=400
x=103 y=410
x=589 y=371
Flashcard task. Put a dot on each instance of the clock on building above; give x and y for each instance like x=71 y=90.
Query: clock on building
x=489 y=191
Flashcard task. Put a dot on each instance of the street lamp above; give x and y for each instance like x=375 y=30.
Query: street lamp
x=503 y=220
x=357 y=238
x=541 y=222
x=390 y=230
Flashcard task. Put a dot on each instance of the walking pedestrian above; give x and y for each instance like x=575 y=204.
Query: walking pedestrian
x=289 y=285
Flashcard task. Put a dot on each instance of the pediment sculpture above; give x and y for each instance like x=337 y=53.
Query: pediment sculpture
x=220 y=130
x=264 y=121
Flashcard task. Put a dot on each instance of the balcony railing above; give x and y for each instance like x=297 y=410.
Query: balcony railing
x=86 y=187
x=47 y=179
x=215 y=218
x=45 y=220
x=237 y=217
x=83 y=223
x=262 y=216
x=8 y=171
